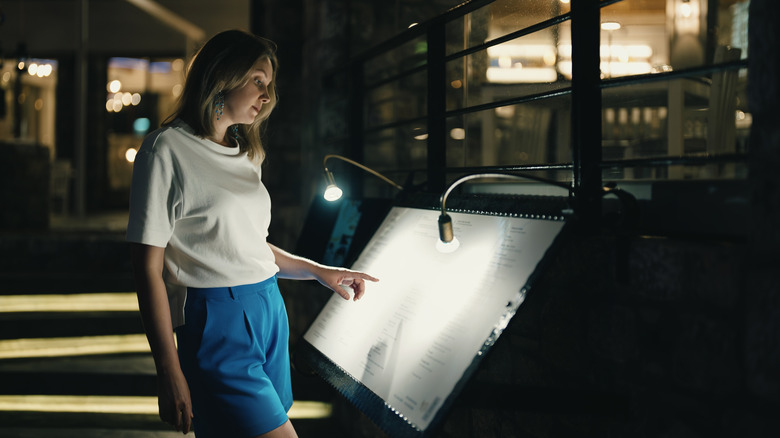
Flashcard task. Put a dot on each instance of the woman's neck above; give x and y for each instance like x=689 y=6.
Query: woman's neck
x=221 y=141
x=219 y=137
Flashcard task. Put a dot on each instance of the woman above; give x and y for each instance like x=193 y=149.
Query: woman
x=199 y=217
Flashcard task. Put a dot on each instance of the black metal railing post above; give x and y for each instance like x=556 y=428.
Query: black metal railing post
x=437 y=130
x=586 y=110
x=355 y=124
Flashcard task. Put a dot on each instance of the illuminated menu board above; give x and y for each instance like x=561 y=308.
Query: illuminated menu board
x=416 y=333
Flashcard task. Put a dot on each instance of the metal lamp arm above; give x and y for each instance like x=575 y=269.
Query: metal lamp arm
x=495 y=175
x=355 y=163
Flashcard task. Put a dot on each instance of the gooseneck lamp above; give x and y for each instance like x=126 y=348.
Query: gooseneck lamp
x=446 y=234
x=333 y=192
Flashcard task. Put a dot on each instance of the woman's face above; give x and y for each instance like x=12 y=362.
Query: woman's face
x=243 y=104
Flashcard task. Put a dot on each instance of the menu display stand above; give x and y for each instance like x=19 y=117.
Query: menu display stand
x=403 y=353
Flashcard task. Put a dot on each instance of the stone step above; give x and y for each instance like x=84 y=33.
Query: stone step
x=61 y=282
x=25 y=325
x=23 y=424
x=126 y=375
x=94 y=425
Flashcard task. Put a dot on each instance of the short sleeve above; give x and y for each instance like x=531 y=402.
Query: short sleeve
x=155 y=195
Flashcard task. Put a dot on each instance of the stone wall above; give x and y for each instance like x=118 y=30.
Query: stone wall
x=762 y=279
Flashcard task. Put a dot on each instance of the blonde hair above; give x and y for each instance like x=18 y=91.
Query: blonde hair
x=222 y=65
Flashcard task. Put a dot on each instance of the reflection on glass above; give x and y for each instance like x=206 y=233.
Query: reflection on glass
x=634 y=39
x=407 y=56
x=694 y=116
x=522 y=134
x=652 y=36
x=403 y=147
x=522 y=63
x=689 y=117
x=373 y=22
x=517 y=68
x=499 y=19
x=399 y=100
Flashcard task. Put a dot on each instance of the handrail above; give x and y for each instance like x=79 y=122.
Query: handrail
x=511 y=36
x=674 y=74
x=420 y=29
x=687 y=160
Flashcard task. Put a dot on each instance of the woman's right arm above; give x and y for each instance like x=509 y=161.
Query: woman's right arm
x=173 y=392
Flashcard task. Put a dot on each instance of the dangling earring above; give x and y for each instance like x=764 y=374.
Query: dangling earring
x=234 y=131
x=219 y=102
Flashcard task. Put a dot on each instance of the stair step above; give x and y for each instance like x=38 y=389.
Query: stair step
x=48 y=282
x=135 y=363
x=125 y=374
x=68 y=324
x=89 y=425
x=21 y=424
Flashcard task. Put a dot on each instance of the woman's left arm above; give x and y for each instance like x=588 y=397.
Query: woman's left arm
x=299 y=268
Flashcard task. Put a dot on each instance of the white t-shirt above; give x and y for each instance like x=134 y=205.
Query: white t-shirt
x=206 y=205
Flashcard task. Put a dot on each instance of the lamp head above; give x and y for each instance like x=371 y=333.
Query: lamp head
x=445 y=228
x=332 y=191
x=447 y=242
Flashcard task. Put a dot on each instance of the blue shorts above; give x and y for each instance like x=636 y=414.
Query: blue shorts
x=233 y=350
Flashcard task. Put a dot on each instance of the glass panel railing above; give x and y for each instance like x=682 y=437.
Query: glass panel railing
x=499 y=19
x=407 y=56
x=531 y=133
x=654 y=36
x=373 y=22
x=681 y=118
x=397 y=101
x=400 y=147
x=692 y=122
x=524 y=66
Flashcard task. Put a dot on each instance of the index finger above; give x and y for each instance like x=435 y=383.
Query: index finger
x=365 y=276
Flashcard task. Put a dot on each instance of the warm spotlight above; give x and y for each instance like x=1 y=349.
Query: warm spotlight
x=333 y=192
x=114 y=86
x=130 y=154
